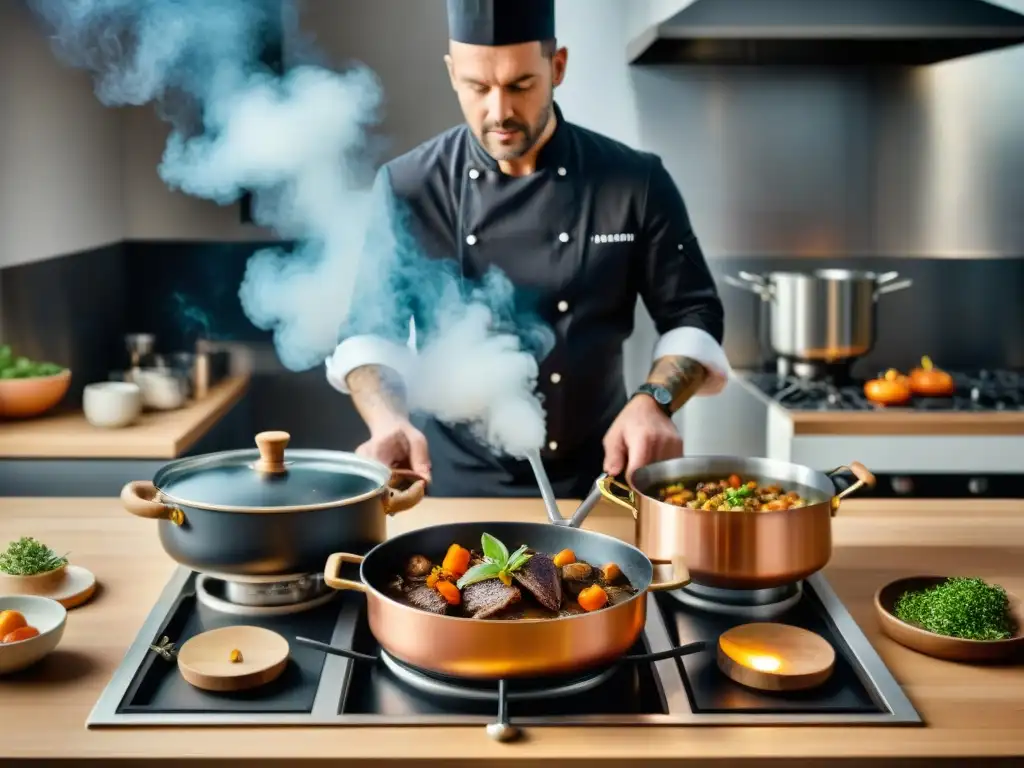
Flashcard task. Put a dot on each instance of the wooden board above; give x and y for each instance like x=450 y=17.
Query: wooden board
x=775 y=657
x=206 y=660
x=157 y=434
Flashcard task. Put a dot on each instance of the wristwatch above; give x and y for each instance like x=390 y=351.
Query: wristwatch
x=659 y=394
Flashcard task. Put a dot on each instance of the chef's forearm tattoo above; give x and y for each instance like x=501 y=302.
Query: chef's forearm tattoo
x=377 y=391
x=679 y=375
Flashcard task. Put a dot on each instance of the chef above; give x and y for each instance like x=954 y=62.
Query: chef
x=581 y=223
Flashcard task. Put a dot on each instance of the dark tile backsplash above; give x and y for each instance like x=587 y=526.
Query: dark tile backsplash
x=76 y=309
x=70 y=310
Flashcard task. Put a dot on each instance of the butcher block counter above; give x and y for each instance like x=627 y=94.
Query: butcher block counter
x=157 y=434
x=969 y=711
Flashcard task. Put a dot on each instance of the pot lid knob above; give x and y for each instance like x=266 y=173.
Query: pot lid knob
x=271 y=446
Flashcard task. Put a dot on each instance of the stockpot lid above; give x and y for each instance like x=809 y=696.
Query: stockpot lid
x=266 y=479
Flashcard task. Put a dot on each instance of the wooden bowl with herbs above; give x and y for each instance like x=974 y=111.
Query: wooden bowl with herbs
x=953 y=618
x=29 y=567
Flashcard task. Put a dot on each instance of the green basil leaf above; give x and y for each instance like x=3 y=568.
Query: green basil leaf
x=481 y=572
x=494 y=550
x=518 y=561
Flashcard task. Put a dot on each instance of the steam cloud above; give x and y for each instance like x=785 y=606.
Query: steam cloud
x=299 y=143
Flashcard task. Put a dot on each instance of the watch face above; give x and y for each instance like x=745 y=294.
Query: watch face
x=663 y=396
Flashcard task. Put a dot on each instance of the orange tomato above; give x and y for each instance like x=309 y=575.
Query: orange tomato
x=22 y=633
x=894 y=389
x=10 y=621
x=930 y=381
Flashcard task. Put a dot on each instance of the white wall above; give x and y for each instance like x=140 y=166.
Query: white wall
x=60 y=160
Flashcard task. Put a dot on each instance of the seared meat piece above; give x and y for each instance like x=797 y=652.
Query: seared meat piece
x=427 y=599
x=577 y=571
x=486 y=598
x=541 y=578
x=618 y=595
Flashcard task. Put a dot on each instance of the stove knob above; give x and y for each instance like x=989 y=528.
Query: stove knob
x=977 y=485
x=902 y=485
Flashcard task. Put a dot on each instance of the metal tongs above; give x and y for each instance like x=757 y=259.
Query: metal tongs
x=548 y=495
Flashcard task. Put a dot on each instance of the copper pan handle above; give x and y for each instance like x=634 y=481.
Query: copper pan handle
x=680 y=575
x=399 y=501
x=858 y=470
x=332 y=572
x=140 y=498
x=605 y=483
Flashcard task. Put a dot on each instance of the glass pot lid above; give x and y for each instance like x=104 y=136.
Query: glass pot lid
x=267 y=478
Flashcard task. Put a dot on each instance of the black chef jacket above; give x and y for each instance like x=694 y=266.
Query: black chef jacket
x=595 y=226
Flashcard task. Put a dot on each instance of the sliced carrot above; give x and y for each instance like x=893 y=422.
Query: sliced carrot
x=592 y=598
x=611 y=573
x=449 y=592
x=564 y=557
x=456 y=561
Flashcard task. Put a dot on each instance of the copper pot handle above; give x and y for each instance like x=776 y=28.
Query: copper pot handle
x=332 y=572
x=399 y=501
x=605 y=484
x=863 y=475
x=680 y=575
x=140 y=498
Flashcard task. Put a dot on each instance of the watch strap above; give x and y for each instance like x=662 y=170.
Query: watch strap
x=659 y=394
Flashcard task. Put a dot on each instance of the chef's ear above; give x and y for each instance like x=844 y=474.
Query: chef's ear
x=559 y=62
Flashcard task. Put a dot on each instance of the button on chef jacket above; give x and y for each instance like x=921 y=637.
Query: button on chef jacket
x=595 y=226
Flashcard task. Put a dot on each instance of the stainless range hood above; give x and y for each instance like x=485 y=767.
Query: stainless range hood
x=828 y=32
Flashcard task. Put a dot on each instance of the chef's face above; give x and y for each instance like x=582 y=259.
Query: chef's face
x=506 y=92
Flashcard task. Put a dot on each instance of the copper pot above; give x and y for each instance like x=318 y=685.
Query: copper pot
x=736 y=550
x=496 y=649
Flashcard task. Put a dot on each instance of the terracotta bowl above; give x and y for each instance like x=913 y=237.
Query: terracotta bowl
x=24 y=398
x=941 y=646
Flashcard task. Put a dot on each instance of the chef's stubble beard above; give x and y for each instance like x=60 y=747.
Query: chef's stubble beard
x=531 y=134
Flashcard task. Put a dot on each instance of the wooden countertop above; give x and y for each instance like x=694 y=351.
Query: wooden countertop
x=893 y=421
x=157 y=435
x=906 y=421
x=969 y=711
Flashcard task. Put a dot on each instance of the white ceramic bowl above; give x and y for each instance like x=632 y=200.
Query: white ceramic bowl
x=46 y=615
x=112 y=404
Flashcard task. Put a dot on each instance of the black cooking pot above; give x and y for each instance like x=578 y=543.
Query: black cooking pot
x=260 y=513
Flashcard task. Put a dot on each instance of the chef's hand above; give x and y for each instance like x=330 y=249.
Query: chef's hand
x=640 y=434
x=397 y=443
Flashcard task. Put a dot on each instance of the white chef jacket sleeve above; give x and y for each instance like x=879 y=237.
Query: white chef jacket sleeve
x=379 y=331
x=676 y=285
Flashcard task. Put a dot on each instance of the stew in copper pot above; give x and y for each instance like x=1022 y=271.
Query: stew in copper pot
x=492 y=583
x=732 y=494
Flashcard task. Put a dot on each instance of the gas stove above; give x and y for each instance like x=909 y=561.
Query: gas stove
x=976 y=391
x=368 y=687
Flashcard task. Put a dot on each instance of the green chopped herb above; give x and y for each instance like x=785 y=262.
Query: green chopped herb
x=967 y=608
x=29 y=557
x=497 y=564
x=18 y=367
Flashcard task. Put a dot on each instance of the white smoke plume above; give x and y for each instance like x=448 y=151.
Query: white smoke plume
x=299 y=143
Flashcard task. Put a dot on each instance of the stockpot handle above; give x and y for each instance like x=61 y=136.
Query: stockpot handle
x=140 y=497
x=401 y=500
x=858 y=470
x=748 y=281
x=332 y=572
x=605 y=485
x=893 y=287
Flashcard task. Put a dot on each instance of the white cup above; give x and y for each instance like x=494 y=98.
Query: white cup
x=112 y=404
